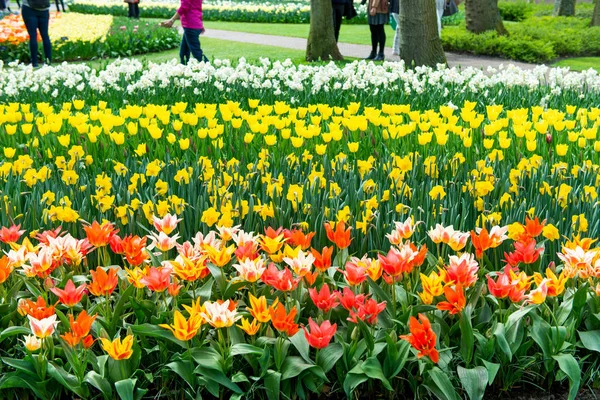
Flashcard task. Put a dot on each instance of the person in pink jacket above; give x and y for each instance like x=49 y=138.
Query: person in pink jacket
x=190 y=14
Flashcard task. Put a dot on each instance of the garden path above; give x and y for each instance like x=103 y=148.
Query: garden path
x=357 y=50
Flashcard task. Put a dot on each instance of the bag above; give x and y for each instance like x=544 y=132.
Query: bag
x=349 y=10
x=39 y=4
x=450 y=9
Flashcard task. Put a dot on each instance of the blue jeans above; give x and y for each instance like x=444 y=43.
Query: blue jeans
x=37 y=20
x=190 y=45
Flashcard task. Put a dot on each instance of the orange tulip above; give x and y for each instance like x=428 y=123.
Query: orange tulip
x=38 y=310
x=251 y=329
x=323 y=259
x=483 y=240
x=134 y=249
x=80 y=328
x=100 y=235
x=534 y=228
x=296 y=237
x=10 y=235
x=284 y=323
x=118 y=350
x=103 y=283
x=456 y=299
x=157 y=279
x=5 y=269
x=341 y=235
x=259 y=309
x=422 y=338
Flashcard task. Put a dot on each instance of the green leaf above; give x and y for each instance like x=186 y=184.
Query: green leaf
x=244 y=348
x=69 y=381
x=379 y=292
x=294 y=366
x=467 y=340
x=156 y=332
x=569 y=366
x=301 y=344
x=272 y=383
x=13 y=331
x=372 y=368
x=125 y=388
x=119 y=307
x=395 y=360
x=492 y=370
x=352 y=381
x=440 y=385
x=205 y=292
x=185 y=369
x=590 y=340
x=329 y=356
x=21 y=365
x=500 y=335
x=473 y=381
x=100 y=383
x=15 y=379
x=367 y=335
x=219 y=377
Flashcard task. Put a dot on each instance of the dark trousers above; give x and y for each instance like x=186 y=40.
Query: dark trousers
x=61 y=3
x=37 y=20
x=190 y=45
x=338 y=13
x=377 y=37
x=134 y=10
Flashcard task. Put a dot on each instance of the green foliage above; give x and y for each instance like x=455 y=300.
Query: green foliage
x=515 y=10
x=121 y=41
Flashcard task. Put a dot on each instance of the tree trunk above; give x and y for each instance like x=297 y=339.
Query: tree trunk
x=321 y=40
x=420 y=42
x=596 y=15
x=564 y=8
x=484 y=15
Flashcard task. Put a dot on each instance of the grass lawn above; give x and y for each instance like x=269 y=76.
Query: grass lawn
x=355 y=34
x=222 y=49
x=579 y=63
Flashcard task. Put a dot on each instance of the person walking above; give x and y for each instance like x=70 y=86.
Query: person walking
x=378 y=16
x=190 y=14
x=339 y=8
x=439 y=8
x=394 y=12
x=134 y=8
x=36 y=16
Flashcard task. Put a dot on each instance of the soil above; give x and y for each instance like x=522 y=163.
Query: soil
x=556 y=394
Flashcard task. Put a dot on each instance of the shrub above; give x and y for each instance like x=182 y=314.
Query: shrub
x=515 y=11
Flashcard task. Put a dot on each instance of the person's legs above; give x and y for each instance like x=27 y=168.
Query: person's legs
x=338 y=13
x=192 y=37
x=43 y=18
x=440 y=5
x=130 y=10
x=184 y=51
x=30 y=21
x=136 y=11
x=396 y=46
x=380 y=33
x=373 y=42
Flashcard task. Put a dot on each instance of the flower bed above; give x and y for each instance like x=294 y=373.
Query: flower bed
x=77 y=36
x=160 y=245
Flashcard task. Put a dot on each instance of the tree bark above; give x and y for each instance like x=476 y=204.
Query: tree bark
x=321 y=43
x=596 y=15
x=420 y=43
x=565 y=8
x=483 y=15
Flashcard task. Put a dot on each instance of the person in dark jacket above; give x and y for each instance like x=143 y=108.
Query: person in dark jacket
x=134 y=9
x=339 y=7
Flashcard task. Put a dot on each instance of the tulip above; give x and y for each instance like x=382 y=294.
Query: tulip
x=157 y=279
x=456 y=299
x=280 y=280
x=319 y=336
x=71 y=295
x=251 y=329
x=301 y=264
x=10 y=235
x=323 y=299
x=162 y=241
x=166 y=224
x=341 y=235
x=259 y=309
x=184 y=329
x=5 y=269
x=250 y=270
x=219 y=315
x=32 y=343
x=322 y=260
x=100 y=235
x=422 y=338
x=283 y=322
x=43 y=328
x=462 y=270
x=296 y=237
x=118 y=350
x=103 y=283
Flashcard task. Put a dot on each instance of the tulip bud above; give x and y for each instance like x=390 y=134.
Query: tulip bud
x=552 y=266
x=32 y=343
x=49 y=283
x=548 y=138
x=355 y=331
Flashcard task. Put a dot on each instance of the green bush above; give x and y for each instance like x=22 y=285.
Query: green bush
x=118 y=42
x=535 y=40
x=515 y=10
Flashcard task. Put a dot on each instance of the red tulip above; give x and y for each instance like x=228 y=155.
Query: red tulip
x=71 y=295
x=319 y=336
x=422 y=338
x=324 y=299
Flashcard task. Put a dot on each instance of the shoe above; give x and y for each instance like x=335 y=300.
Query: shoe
x=371 y=56
x=380 y=57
